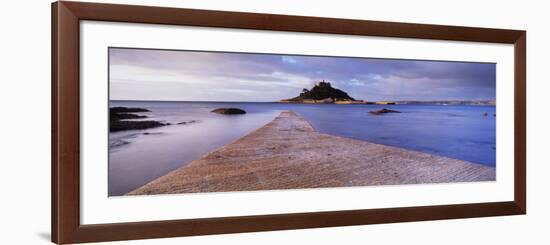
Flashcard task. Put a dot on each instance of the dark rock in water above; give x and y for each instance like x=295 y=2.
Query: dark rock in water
x=383 y=111
x=485 y=114
x=188 y=122
x=117 y=143
x=121 y=116
x=155 y=133
x=117 y=125
x=127 y=109
x=229 y=111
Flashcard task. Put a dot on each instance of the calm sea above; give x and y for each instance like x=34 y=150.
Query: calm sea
x=139 y=156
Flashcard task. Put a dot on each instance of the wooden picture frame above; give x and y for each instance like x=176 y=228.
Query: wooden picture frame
x=66 y=226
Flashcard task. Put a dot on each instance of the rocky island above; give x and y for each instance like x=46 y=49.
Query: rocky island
x=323 y=93
x=383 y=111
x=229 y=111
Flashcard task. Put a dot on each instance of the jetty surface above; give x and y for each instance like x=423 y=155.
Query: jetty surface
x=288 y=153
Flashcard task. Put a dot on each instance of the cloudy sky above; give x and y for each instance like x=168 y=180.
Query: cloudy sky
x=140 y=74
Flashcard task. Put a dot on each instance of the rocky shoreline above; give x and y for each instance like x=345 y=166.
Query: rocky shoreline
x=118 y=119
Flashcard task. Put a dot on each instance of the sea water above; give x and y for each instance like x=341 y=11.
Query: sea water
x=137 y=157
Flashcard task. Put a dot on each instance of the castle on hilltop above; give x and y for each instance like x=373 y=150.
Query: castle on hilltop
x=323 y=84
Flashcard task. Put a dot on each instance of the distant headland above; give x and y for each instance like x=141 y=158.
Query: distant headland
x=324 y=93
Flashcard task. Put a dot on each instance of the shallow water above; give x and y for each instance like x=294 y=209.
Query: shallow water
x=140 y=156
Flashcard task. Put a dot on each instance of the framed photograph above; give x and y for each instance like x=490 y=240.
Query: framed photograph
x=179 y=122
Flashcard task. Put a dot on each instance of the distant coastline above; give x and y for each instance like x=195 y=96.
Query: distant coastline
x=448 y=102
x=397 y=102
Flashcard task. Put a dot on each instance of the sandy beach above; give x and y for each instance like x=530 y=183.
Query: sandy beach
x=288 y=153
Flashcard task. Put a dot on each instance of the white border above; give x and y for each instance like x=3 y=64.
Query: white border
x=96 y=207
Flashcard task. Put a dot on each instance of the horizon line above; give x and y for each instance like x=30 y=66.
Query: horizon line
x=213 y=101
